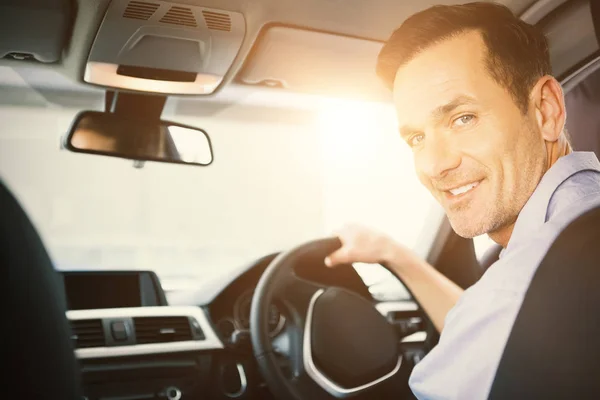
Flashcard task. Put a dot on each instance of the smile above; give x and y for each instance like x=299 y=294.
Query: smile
x=463 y=189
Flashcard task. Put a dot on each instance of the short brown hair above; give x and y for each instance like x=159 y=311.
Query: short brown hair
x=517 y=56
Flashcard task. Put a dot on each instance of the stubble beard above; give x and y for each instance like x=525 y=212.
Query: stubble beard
x=469 y=225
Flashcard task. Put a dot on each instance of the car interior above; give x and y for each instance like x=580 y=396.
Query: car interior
x=170 y=177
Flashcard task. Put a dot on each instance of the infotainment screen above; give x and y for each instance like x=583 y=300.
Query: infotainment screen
x=100 y=289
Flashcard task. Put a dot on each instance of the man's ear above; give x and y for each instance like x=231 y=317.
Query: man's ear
x=549 y=107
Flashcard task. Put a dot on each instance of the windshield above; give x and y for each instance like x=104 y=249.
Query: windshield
x=281 y=176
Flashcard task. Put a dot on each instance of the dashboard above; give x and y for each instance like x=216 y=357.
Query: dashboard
x=132 y=344
x=240 y=318
x=230 y=310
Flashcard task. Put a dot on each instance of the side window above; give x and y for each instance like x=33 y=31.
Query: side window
x=382 y=284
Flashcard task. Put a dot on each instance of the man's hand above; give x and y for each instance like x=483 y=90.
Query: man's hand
x=434 y=292
x=361 y=244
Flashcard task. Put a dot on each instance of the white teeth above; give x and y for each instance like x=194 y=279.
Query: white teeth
x=463 y=189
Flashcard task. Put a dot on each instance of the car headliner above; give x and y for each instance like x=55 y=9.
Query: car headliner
x=370 y=19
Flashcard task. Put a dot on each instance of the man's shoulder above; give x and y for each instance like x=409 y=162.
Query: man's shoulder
x=581 y=204
x=570 y=194
x=571 y=179
x=515 y=269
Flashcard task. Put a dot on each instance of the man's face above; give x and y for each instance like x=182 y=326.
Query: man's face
x=474 y=149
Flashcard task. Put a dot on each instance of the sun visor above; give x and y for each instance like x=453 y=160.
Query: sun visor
x=162 y=47
x=35 y=29
x=315 y=62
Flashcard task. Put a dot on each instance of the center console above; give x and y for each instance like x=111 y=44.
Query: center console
x=90 y=290
x=131 y=344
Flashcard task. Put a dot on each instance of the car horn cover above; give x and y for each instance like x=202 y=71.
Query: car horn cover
x=352 y=344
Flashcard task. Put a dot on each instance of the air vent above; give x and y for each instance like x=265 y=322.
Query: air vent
x=162 y=329
x=179 y=16
x=140 y=10
x=217 y=21
x=87 y=333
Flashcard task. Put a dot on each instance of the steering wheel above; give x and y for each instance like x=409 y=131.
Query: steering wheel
x=340 y=345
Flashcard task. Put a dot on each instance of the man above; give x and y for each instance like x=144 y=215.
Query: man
x=485 y=120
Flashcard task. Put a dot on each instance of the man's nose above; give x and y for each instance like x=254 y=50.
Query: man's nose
x=438 y=158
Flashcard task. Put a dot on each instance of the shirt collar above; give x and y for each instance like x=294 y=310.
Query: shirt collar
x=533 y=214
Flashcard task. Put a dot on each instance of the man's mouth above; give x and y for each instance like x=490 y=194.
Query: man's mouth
x=460 y=191
x=463 y=189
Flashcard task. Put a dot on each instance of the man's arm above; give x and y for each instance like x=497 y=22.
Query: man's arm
x=433 y=291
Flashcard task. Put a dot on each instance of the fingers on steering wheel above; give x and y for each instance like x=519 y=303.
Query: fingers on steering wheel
x=340 y=256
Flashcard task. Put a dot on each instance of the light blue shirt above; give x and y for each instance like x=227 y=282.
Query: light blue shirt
x=463 y=364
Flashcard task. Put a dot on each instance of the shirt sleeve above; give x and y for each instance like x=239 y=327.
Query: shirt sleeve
x=464 y=363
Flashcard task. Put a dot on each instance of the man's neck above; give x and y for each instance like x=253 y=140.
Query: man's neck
x=502 y=235
x=555 y=150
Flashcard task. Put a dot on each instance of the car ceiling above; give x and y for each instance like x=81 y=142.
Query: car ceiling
x=571 y=37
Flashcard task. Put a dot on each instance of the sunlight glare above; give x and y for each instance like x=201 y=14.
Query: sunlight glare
x=368 y=171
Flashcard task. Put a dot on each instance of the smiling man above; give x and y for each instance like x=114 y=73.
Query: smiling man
x=485 y=119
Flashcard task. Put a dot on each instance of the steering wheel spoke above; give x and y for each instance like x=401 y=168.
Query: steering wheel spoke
x=296 y=360
x=296 y=293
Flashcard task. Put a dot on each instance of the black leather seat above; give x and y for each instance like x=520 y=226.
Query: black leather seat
x=553 y=351
x=39 y=357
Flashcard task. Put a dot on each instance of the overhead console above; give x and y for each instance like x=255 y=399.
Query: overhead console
x=164 y=47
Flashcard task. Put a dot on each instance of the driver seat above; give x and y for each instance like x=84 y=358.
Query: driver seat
x=36 y=335
x=553 y=351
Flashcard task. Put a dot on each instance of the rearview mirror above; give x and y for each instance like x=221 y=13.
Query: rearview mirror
x=137 y=139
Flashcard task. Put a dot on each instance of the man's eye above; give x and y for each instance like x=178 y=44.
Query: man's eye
x=415 y=139
x=464 y=120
